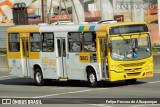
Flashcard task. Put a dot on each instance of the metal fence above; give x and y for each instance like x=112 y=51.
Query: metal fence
x=3 y=30
x=3 y=61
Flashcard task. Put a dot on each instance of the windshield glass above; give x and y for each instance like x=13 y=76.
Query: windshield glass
x=131 y=48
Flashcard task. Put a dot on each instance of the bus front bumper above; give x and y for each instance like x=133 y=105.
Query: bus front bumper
x=116 y=76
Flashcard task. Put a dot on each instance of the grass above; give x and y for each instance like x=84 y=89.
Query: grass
x=156 y=49
x=3 y=52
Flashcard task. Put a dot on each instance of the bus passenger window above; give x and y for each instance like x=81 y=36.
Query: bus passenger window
x=74 y=42
x=35 y=42
x=14 y=42
x=47 y=42
x=89 y=40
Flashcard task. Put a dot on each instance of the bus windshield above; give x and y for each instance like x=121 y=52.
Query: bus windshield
x=131 y=48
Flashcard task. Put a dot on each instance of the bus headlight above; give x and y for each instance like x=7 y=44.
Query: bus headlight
x=149 y=66
x=117 y=68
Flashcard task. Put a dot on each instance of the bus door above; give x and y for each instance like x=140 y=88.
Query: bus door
x=25 y=56
x=61 y=57
x=103 y=58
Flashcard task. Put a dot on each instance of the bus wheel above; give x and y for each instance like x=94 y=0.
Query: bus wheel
x=38 y=77
x=92 y=79
x=131 y=81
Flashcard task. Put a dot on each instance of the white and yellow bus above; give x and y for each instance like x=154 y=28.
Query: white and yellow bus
x=91 y=52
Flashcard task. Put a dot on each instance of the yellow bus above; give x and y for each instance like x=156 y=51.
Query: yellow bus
x=89 y=52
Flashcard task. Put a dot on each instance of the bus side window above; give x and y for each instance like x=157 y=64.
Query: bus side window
x=14 y=42
x=74 y=42
x=35 y=41
x=48 y=42
x=89 y=41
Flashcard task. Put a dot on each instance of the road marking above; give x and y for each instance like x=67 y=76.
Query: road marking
x=13 y=97
x=81 y=91
x=148 y=105
x=72 y=92
x=157 y=72
x=153 y=82
x=100 y=105
x=5 y=76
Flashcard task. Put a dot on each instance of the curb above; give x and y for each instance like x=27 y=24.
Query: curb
x=3 y=69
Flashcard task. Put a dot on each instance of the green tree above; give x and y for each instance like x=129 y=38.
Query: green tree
x=151 y=1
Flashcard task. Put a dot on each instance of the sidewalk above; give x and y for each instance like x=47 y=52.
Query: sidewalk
x=4 y=69
x=157 y=68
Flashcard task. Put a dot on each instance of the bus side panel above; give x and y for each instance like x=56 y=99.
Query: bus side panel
x=15 y=67
x=14 y=55
x=76 y=69
x=33 y=62
x=49 y=65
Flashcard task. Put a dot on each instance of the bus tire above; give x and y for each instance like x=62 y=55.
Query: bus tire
x=131 y=81
x=38 y=77
x=92 y=78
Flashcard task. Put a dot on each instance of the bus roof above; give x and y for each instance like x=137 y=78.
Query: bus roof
x=23 y=28
x=68 y=28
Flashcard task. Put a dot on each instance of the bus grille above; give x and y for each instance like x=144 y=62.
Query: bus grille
x=133 y=74
x=133 y=64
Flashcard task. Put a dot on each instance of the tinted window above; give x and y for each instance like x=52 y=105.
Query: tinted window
x=14 y=42
x=35 y=40
x=89 y=41
x=74 y=42
x=128 y=29
x=47 y=42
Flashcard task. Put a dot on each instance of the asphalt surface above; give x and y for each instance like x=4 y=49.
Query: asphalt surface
x=13 y=87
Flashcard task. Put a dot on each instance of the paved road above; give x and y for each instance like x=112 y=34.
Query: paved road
x=12 y=87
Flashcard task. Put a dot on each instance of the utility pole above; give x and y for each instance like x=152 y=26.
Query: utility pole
x=78 y=11
x=97 y=4
x=44 y=11
x=106 y=9
x=159 y=16
x=49 y=14
x=137 y=12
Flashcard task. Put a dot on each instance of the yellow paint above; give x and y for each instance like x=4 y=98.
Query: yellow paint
x=103 y=28
x=121 y=76
x=23 y=29
x=101 y=34
x=34 y=55
x=127 y=36
x=126 y=23
x=86 y=28
x=24 y=35
x=47 y=60
x=14 y=55
x=117 y=68
x=84 y=57
x=63 y=79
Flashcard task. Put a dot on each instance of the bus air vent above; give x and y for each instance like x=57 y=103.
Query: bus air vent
x=133 y=64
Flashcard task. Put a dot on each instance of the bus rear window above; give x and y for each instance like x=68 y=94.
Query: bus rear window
x=128 y=29
x=14 y=42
